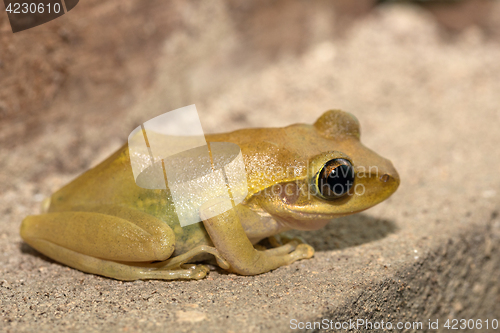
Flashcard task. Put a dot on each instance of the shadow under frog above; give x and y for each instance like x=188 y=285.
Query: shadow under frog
x=348 y=231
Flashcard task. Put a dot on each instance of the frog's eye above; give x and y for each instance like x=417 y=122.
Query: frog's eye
x=335 y=178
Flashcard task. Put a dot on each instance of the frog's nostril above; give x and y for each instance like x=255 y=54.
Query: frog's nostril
x=384 y=178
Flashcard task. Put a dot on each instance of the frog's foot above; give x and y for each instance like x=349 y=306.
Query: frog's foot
x=180 y=260
x=295 y=249
x=191 y=272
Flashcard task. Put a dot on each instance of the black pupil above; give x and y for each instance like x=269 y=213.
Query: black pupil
x=336 y=180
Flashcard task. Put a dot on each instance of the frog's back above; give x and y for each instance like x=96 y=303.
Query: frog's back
x=111 y=182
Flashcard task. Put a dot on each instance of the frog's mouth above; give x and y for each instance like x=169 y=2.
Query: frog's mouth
x=301 y=220
x=310 y=217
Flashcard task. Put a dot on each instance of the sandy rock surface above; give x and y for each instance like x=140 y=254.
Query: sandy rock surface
x=426 y=98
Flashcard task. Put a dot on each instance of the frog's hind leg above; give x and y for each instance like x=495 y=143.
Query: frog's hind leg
x=108 y=245
x=112 y=269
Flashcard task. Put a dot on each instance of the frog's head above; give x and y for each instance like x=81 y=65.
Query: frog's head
x=316 y=173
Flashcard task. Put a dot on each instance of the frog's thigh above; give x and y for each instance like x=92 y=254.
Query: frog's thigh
x=140 y=238
x=91 y=242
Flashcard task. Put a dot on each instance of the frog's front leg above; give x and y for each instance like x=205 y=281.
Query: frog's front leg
x=115 y=242
x=233 y=244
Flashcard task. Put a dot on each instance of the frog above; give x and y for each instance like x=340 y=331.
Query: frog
x=299 y=177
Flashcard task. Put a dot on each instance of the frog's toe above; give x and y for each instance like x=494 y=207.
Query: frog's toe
x=200 y=272
x=185 y=271
x=188 y=266
x=303 y=251
x=196 y=272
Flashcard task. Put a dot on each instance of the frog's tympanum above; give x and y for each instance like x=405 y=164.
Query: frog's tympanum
x=299 y=177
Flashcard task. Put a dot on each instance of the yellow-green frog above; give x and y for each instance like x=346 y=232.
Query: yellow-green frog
x=299 y=177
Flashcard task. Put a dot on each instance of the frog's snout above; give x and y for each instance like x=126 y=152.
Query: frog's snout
x=390 y=178
x=387 y=177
